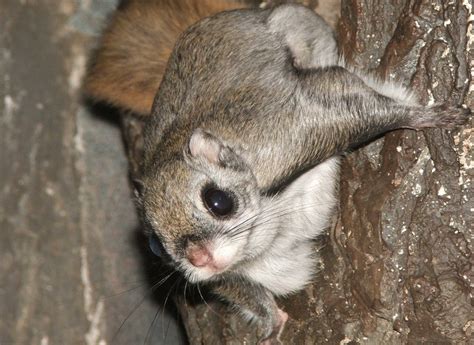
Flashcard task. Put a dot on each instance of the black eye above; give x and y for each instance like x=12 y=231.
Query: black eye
x=219 y=202
x=155 y=244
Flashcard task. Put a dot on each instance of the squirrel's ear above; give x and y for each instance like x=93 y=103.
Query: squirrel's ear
x=206 y=146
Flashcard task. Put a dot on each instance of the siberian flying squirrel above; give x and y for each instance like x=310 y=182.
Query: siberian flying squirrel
x=240 y=163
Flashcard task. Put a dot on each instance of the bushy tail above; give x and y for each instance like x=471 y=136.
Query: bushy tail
x=132 y=55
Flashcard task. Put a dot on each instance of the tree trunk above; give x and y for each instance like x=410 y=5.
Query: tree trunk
x=71 y=270
x=397 y=265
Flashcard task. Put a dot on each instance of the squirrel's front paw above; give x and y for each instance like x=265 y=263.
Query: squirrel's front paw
x=272 y=328
x=442 y=116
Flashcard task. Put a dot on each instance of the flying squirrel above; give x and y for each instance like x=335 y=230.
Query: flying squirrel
x=246 y=113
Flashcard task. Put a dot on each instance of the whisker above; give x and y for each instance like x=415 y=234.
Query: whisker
x=268 y=222
x=185 y=286
x=149 y=332
x=123 y=292
x=177 y=315
x=275 y=208
x=210 y=308
x=175 y=284
x=270 y=201
x=144 y=281
x=147 y=294
x=167 y=329
x=275 y=215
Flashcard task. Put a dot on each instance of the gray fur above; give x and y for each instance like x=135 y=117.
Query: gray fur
x=250 y=101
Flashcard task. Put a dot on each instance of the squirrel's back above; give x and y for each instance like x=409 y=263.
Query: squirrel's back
x=132 y=55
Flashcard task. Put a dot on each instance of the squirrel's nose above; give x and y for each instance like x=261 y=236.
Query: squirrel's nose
x=198 y=255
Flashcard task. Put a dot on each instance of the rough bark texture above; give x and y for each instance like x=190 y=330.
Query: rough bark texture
x=397 y=265
x=68 y=243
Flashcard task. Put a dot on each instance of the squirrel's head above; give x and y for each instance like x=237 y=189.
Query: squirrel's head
x=202 y=208
x=201 y=199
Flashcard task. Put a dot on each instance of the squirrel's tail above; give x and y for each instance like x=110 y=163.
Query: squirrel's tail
x=132 y=55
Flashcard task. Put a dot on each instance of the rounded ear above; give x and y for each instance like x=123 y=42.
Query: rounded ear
x=155 y=245
x=206 y=146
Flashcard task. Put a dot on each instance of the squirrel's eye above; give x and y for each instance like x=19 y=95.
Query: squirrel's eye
x=155 y=244
x=218 y=202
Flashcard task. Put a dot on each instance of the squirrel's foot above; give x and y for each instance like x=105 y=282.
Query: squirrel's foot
x=274 y=328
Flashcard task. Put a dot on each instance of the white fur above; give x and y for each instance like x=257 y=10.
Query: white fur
x=225 y=249
x=278 y=251
x=282 y=248
x=289 y=263
x=313 y=45
x=391 y=89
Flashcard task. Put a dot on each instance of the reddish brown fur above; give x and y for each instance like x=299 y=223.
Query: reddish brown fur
x=132 y=56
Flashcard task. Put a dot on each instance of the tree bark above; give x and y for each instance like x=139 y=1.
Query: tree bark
x=396 y=266
x=71 y=269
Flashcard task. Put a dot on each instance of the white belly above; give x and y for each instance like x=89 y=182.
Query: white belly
x=289 y=264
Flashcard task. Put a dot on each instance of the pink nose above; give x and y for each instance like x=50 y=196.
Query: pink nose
x=198 y=256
